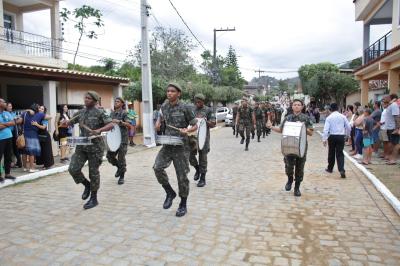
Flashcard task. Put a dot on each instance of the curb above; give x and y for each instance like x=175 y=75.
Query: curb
x=389 y=197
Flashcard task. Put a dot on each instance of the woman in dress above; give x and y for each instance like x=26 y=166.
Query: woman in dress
x=132 y=117
x=46 y=157
x=63 y=132
x=15 y=130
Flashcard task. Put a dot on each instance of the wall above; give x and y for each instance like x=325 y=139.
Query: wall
x=395 y=24
x=74 y=92
x=372 y=95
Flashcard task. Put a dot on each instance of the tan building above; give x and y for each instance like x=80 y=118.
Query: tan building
x=381 y=60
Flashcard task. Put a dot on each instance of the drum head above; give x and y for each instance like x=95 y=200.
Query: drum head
x=201 y=133
x=303 y=140
x=114 y=139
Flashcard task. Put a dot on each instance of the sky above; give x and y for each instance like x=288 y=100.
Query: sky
x=272 y=35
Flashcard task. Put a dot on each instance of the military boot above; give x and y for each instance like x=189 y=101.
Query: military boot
x=258 y=138
x=247 y=146
x=197 y=174
x=242 y=141
x=263 y=134
x=86 y=192
x=297 y=192
x=182 y=208
x=170 y=196
x=121 y=179
x=252 y=136
x=202 y=181
x=118 y=173
x=288 y=186
x=92 y=201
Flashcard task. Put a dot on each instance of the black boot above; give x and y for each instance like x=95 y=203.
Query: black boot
x=182 y=208
x=86 y=192
x=92 y=201
x=118 y=173
x=252 y=136
x=258 y=138
x=242 y=141
x=202 y=181
x=247 y=146
x=297 y=192
x=264 y=135
x=121 y=179
x=197 y=174
x=288 y=186
x=234 y=132
x=170 y=196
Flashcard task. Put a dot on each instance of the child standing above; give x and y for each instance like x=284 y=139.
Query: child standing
x=368 y=126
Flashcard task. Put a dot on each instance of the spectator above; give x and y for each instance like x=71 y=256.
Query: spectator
x=392 y=121
x=368 y=127
x=383 y=136
x=376 y=116
x=6 y=121
x=46 y=156
x=350 y=117
x=358 y=128
x=63 y=132
x=15 y=132
x=32 y=145
x=336 y=128
x=132 y=117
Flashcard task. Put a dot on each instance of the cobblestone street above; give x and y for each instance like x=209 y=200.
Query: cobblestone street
x=243 y=216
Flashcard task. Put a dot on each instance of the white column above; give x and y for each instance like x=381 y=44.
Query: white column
x=366 y=39
x=19 y=21
x=50 y=101
x=117 y=91
x=55 y=29
x=1 y=14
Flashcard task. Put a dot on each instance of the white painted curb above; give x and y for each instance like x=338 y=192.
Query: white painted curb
x=375 y=181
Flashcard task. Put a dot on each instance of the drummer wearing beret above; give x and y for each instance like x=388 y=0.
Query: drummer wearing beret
x=177 y=117
x=92 y=121
x=294 y=165
x=204 y=112
x=120 y=117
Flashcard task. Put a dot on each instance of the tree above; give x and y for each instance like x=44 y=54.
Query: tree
x=85 y=16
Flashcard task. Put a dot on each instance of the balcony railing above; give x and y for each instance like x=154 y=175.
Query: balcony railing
x=378 y=48
x=28 y=44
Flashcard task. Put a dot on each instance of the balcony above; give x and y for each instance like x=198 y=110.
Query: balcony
x=378 y=48
x=23 y=47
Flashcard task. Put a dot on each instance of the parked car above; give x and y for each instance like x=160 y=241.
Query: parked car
x=229 y=120
x=221 y=113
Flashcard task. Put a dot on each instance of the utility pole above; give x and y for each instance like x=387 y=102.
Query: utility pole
x=147 y=94
x=215 y=53
x=259 y=72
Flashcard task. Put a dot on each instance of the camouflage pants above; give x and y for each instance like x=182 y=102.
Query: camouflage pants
x=294 y=166
x=259 y=127
x=94 y=156
x=202 y=163
x=121 y=161
x=178 y=156
x=245 y=129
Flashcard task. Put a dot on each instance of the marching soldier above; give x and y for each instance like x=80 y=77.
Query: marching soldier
x=259 y=114
x=175 y=114
x=294 y=166
x=120 y=117
x=245 y=120
x=234 y=113
x=202 y=111
x=92 y=121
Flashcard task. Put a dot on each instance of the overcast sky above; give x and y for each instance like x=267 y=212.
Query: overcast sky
x=273 y=35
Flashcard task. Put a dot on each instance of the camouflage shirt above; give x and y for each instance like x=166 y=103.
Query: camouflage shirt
x=245 y=115
x=179 y=115
x=207 y=113
x=259 y=113
x=93 y=118
x=234 y=112
x=123 y=116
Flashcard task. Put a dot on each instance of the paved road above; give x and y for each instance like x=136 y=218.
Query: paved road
x=241 y=217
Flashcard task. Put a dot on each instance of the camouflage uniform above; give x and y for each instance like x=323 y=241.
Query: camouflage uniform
x=294 y=166
x=180 y=116
x=204 y=112
x=93 y=118
x=267 y=114
x=245 y=122
x=121 y=115
x=259 y=120
x=234 y=114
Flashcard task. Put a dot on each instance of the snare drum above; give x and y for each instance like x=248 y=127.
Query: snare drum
x=201 y=132
x=79 y=141
x=294 y=139
x=169 y=140
x=113 y=138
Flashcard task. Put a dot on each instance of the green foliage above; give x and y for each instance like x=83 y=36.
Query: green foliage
x=83 y=17
x=355 y=63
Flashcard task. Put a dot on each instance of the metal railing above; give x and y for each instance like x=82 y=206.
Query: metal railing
x=19 y=42
x=378 y=48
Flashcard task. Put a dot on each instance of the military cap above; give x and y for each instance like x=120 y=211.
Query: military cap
x=175 y=85
x=120 y=99
x=94 y=95
x=200 y=96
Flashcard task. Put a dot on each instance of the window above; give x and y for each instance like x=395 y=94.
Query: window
x=8 y=22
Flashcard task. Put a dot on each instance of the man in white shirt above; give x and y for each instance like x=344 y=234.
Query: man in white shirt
x=392 y=120
x=336 y=128
x=383 y=136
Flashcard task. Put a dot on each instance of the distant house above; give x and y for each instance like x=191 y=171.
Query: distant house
x=381 y=60
x=256 y=90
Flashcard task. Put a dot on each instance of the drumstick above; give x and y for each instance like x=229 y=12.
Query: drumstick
x=178 y=129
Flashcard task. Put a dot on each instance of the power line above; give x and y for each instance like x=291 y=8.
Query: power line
x=184 y=22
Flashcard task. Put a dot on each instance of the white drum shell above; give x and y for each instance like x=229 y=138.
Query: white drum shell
x=113 y=139
x=294 y=139
x=201 y=132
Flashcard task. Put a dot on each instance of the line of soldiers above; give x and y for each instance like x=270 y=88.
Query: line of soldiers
x=251 y=120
